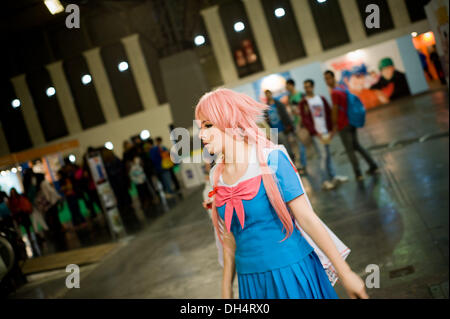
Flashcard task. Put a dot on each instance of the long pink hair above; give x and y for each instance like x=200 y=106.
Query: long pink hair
x=227 y=109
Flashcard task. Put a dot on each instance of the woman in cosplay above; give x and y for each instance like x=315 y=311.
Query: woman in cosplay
x=270 y=234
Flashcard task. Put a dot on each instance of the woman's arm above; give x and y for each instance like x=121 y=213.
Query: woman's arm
x=229 y=247
x=312 y=225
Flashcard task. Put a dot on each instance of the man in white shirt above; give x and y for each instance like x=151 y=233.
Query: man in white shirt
x=316 y=116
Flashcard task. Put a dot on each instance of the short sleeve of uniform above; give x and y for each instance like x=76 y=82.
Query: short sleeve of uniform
x=286 y=174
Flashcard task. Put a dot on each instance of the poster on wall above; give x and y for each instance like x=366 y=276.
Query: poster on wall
x=375 y=74
x=275 y=83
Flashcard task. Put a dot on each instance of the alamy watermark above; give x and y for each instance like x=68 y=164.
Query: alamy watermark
x=73 y=280
x=373 y=279
x=73 y=19
x=373 y=19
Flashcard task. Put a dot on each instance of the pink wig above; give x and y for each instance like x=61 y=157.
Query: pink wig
x=228 y=109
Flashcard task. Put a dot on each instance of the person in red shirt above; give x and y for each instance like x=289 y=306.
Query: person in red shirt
x=347 y=132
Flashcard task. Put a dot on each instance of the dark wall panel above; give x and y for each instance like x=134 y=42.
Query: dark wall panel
x=152 y=59
x=47 y=108
x=85 y=96
x=285 y=32
x=386 y=22
x=185 y=83
x=329 y=23
x=123 y=85
x=416 y=9
x=230 y=13
x=12 y=121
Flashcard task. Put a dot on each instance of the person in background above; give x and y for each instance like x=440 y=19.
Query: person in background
x=278 y=118
x=21 y=210
x=121 y=183
x=71 y=196
x=347 y=133
x=294 y=99
x=138 y=177
x=30 y=184
x=143 y=149
x=6 y=219
x=166 y=152
x=425 y=67
x=162 y=174
x=47 y=201
x=89 y=189
x=434 y=57
x=316 y=117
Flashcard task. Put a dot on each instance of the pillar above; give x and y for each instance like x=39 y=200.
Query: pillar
x=353 y=21
x=306 y=24
x=101 y=84
x=140 y=71
x=219 y=43
x=399 y=13
x=64 y=96
x=29 y=111
x=263 y=38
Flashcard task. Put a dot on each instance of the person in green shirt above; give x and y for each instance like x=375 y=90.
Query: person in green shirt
x=294 y=99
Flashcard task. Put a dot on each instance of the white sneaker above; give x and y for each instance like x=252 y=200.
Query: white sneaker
x=340 y=179
x=327 y=185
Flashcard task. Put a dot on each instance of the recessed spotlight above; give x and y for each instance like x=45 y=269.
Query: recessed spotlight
x=199 y=40
x=86 y=79
x=145 y=134
x=72 y=158
x=50 y=91
x=239 y=26
x=123 y=66
x=109 y=145
x=279 y=12
x=15 y=103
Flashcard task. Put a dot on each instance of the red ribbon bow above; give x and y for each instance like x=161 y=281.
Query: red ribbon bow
x=213 y=192
x=233 y=196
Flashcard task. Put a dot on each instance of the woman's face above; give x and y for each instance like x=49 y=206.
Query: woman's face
x=212 y=137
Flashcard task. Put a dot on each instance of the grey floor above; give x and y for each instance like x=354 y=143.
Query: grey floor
x=398 y=221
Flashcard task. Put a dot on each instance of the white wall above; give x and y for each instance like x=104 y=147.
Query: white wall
x=156 y=120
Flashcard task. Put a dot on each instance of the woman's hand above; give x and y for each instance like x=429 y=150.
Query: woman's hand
x=354 y=286
x=207 y=203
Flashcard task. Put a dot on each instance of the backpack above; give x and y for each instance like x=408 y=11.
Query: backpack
x=356 y=111
x=166 y=162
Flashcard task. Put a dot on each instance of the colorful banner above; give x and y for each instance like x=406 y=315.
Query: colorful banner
x=375 y=74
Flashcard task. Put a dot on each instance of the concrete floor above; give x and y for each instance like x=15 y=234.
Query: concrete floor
x=398 y=221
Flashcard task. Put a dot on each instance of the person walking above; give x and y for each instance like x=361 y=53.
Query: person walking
x=261 y=212
x=21 y=210
x=316 y=117
x=47 y=201
x=163 y=174
x=347 y=132
x=294 y=99
x=278 y=118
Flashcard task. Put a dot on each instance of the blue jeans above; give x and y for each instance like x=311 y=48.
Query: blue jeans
x=327 y=170
x=166 y=180
x=302 y=150
x=283 y=138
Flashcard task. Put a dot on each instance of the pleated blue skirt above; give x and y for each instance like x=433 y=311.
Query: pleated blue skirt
x=304 y=280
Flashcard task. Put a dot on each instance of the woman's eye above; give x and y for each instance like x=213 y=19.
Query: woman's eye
x=208 y=125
